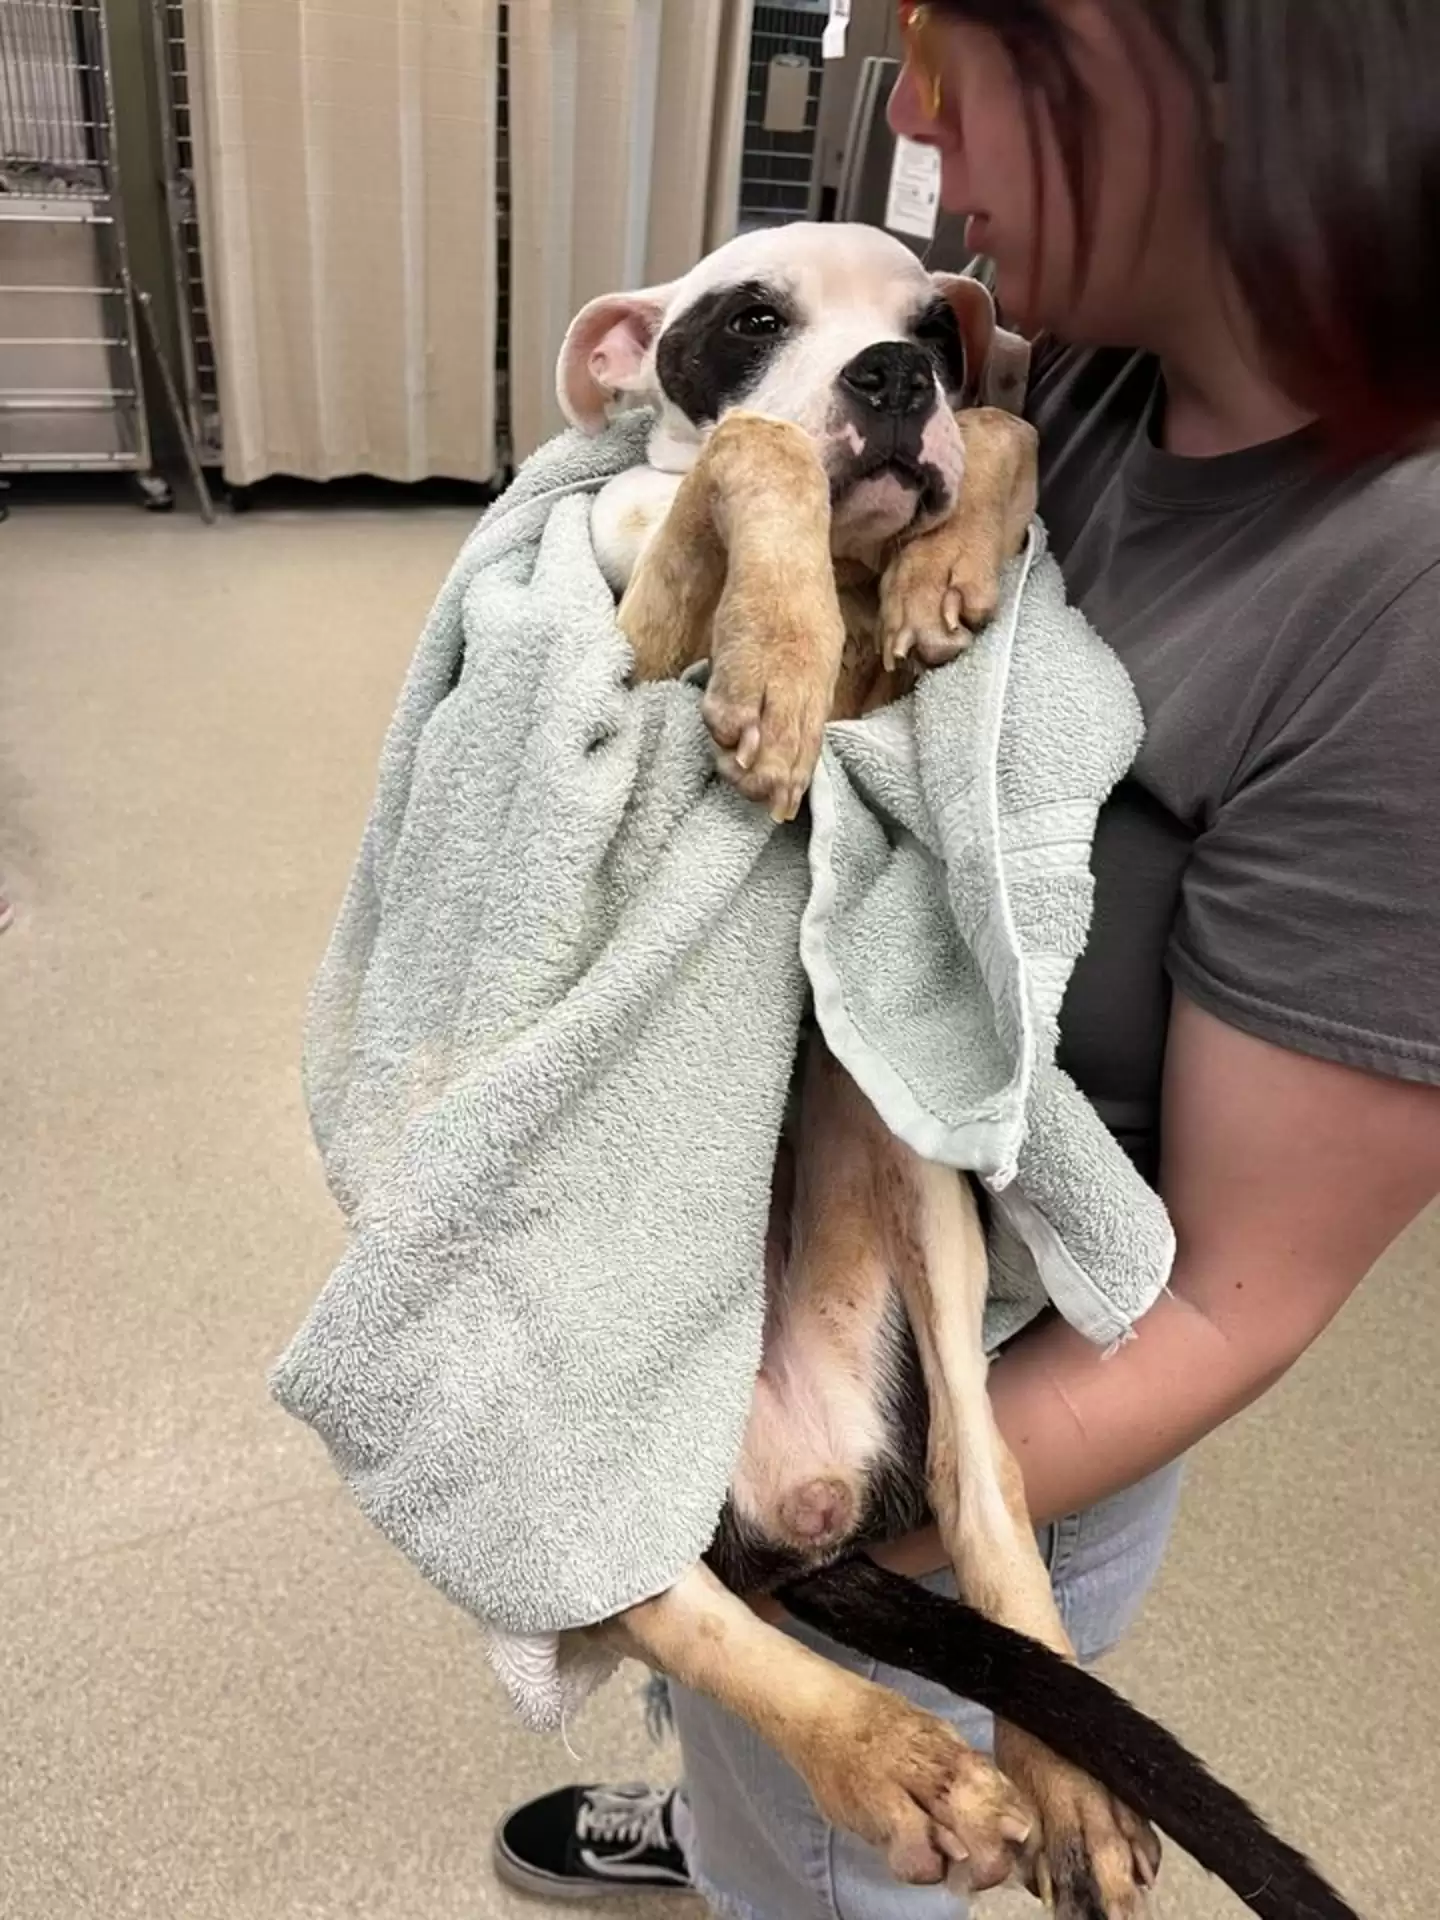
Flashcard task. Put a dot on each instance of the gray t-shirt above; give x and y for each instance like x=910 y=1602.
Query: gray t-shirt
x=1276 y=852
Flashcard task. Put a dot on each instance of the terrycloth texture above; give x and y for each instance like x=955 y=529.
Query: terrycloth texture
x=550 y=1046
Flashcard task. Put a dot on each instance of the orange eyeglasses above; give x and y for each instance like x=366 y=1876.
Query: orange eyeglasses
x=922 y=52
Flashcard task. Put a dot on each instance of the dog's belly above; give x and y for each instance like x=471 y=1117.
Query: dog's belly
x=751 y=1558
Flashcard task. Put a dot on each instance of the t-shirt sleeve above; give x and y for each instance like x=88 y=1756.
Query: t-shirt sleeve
x=1310 y=908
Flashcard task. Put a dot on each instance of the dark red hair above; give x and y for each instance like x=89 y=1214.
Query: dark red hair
x=1325 y=182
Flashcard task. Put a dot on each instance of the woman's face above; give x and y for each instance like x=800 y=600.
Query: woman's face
x=1149 y=249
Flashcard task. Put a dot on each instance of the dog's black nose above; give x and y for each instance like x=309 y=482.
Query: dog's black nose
x=893 y=377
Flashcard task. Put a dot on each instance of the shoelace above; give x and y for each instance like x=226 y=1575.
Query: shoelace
x=628 y=1817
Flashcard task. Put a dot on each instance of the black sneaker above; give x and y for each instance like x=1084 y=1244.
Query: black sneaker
x=582 y=1843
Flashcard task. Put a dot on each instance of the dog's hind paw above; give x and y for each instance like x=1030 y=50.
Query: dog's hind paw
x=1096 y=1859
x=902 y=1780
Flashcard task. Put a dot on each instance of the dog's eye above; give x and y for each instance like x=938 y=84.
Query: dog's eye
x=935 y=328
x=757 y=322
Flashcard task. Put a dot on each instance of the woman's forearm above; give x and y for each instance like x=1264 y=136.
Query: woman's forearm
x=1278 y=1216
x=1082 y=1425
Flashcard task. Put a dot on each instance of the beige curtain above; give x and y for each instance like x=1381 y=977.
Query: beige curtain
x=626 y=122
x=345 y=161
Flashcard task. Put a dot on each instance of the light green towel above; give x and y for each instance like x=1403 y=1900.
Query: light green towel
x=550 y=1046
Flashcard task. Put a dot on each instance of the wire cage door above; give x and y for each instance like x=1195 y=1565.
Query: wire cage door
x=779 y=149
x=199 y=373
x=71 y=396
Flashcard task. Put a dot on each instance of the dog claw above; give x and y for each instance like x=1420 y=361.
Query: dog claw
x=951 y=610
x=748 y=750
x=1044 y=1883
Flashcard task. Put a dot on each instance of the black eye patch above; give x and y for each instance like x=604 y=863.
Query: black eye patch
x=937 y=330
x=717 y=351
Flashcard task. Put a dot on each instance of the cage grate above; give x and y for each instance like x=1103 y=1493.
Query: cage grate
x=70 y=395
x=775 y=167
x=55 y=138
x=202 y=378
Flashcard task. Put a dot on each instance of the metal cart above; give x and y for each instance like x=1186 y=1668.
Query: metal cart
x=71 y=395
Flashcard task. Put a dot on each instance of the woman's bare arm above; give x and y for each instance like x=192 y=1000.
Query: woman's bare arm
x=1287 y=1177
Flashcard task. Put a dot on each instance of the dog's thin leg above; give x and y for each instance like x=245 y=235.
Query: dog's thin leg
x=817 y=1430
x=1095 y=1854
x=877 y=1765
x=671 y=600
x=742 y=568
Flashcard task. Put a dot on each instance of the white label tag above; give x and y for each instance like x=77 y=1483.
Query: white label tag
x=912 y=205
x=832 y=41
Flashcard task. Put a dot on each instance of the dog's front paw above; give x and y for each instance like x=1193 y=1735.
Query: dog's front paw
x=902 y=1780
x=766 y=707
x=938 y=592
x=1096 y=1859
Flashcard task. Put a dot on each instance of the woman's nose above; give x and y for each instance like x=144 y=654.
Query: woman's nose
x=905 y=114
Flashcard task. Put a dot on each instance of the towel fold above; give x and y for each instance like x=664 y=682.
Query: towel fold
x=551 y=1041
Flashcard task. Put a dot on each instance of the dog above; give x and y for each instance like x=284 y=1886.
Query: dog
x=837 y=476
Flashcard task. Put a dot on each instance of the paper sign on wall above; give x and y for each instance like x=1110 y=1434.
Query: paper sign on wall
x=832 y=42
x=912 y=205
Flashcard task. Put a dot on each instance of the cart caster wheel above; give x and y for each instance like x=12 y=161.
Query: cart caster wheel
x=156 y=495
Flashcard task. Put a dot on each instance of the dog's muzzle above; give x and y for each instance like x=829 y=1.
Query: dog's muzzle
x=888 y=397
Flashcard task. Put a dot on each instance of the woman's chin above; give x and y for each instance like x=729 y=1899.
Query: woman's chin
x=1012 y=297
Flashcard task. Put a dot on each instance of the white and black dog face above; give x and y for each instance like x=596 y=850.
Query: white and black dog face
x=839 y=329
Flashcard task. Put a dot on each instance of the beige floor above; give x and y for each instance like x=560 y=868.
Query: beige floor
x=220 y=1695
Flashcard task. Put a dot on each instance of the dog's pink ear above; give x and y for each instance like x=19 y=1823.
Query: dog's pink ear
x=997 y=363
x=605 y=353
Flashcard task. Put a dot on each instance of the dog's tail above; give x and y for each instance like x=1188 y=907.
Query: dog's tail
x=1077 y=1716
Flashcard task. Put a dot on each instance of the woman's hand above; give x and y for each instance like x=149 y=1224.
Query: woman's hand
x=1287 y=1177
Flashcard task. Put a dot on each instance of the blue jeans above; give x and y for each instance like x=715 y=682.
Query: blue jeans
x=758 y=1847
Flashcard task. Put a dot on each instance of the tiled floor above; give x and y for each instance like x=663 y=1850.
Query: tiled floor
x=221 y=1697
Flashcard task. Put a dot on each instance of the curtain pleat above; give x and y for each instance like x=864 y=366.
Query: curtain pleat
x=626 y=118
x=345 y=172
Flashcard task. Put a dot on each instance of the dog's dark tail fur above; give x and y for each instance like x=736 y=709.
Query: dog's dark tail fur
x=1077 y=1716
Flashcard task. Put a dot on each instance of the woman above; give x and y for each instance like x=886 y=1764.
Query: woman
x=1229 y=211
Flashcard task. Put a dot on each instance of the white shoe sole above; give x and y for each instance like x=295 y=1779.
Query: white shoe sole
x=555 y=1886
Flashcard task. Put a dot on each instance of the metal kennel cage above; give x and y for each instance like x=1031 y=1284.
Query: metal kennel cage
x=776 y=167
x=71 y=394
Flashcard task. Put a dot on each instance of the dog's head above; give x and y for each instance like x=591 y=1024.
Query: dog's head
x=839 y=329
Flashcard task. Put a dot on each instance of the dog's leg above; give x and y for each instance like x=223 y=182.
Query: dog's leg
x=876 y=1765
x=1096 y=1857
x=742 y=569
x=944 y=585
x=667 y=608
x=817 y=1431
